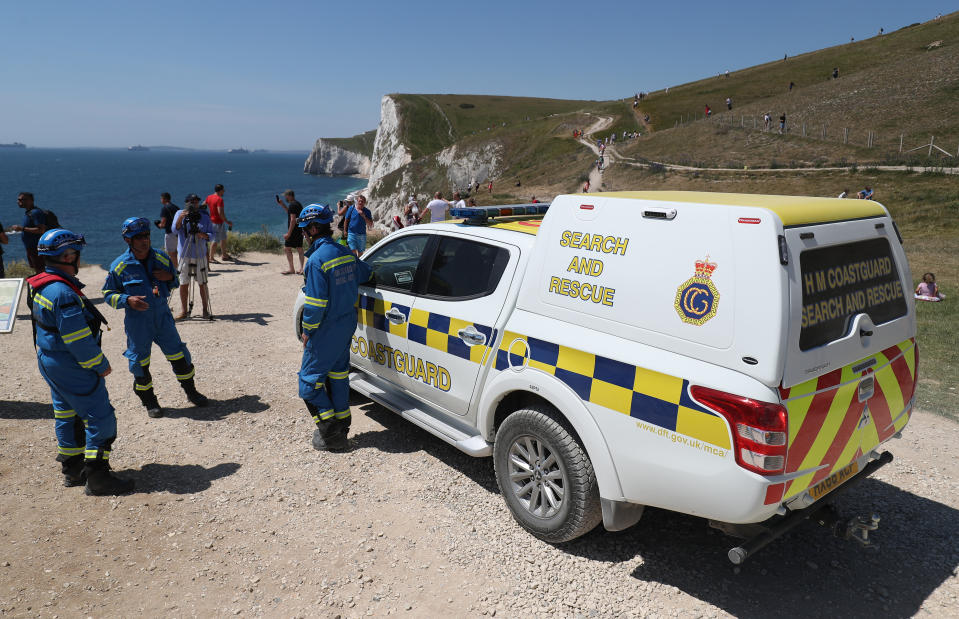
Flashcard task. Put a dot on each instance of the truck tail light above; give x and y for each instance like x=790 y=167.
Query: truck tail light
x=759 y=429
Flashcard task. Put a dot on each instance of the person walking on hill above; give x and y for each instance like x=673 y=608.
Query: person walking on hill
x=140 y=281
x=33 y=227
x=782 y=123
x=293 y=238
x=67 y=336
x=214 y=202
x=766 y=119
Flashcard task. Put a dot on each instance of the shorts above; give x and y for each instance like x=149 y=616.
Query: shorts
x=219 y=233
x=193 y=267
x=294 y=240
x=169 y=243
x=356 y=242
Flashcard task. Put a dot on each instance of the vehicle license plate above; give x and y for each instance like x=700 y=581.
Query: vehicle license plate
x=833 y=481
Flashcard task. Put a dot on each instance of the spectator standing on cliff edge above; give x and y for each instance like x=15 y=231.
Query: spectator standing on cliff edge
x=294 y=236
x=214 y=202
x=33 y=227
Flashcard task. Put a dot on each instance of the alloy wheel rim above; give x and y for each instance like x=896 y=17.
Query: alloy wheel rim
x=536 y=478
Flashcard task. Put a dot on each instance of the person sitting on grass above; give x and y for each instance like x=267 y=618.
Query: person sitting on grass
x=928 y=290
x=865 y=194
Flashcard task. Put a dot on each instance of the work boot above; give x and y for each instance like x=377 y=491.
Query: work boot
x=149 y=400
x=333 y=442
x=194 y=396
x=73 y=472
x=101 y=482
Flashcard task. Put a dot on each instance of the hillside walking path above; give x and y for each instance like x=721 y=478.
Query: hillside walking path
x=595 y=174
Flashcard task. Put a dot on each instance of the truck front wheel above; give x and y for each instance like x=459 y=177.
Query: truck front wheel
x=545 y=476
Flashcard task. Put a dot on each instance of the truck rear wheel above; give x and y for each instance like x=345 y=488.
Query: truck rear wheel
x=545 y=476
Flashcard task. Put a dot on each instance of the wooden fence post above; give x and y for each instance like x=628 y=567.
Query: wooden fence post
x=932 y=139
x=845 y=135
x=900 y=143
x=804 y=129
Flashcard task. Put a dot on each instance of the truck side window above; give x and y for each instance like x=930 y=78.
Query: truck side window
x=395 y=264
x=465 y=269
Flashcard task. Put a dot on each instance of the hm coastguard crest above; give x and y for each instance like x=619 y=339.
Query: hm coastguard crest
x=697 y=299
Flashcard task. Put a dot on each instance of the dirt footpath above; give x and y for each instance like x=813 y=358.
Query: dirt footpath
x=235 y=514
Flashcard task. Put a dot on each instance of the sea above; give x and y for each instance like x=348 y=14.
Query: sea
x=92 y=191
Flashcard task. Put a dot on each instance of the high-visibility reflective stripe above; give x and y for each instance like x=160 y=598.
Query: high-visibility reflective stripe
x=161 y=258
x=315 y=302
x=342 y=414
x=335 y=262
x=309 y=326
x=145 y=387
x=327 y=414
x=339 y=375
x=91 y=454
x=175 y=356
x=119 y=268
x=319 y=386
x=64 y=414
x=43 y=301
x=69 y=338
x=145 y=362
x=69 y=451
x=113 y=298
x=92 y=362
x=186 y=376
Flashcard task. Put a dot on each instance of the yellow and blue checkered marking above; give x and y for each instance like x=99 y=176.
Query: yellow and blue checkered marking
x=647 y=395
x=427 y=328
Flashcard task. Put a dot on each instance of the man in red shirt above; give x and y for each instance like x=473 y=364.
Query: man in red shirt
x=221 y=224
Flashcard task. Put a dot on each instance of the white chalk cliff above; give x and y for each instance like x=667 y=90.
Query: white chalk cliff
x=328 y=158
x=389 y=152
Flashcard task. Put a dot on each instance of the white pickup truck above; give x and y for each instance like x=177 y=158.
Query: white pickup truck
x=734 y=357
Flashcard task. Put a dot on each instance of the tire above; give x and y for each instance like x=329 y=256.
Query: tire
x=558 y=501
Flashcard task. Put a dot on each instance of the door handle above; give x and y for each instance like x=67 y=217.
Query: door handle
x=865 y=333
x=396 y=316
x=471 y=336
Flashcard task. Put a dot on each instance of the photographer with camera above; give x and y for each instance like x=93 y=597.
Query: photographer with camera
x=193 y=228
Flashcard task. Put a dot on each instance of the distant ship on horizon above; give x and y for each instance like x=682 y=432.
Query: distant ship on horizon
x=14 y=145
x=237 y=151
x=138 y=147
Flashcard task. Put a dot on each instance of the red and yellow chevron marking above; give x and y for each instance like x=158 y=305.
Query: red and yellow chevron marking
x=825 y=414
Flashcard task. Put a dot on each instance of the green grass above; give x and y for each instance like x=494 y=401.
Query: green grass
x=361 y=143
x=18 y=268
x=239 y=242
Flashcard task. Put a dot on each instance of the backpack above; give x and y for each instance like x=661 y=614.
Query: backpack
x=50 y=219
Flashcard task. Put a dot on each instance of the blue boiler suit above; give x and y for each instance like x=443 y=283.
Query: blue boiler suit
x=131 y=277
x=71 y=361
x=333 y=276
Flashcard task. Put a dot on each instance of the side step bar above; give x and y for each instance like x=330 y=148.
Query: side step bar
x=473 y=445
x=740 y=553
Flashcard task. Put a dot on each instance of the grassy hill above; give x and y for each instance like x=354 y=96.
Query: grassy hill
x=904 y=83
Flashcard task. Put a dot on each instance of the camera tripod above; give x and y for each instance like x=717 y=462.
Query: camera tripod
x=192 y=247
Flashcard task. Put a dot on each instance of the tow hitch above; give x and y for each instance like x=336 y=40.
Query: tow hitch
x=855 y=529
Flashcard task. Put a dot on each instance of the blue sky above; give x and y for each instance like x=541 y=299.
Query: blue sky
x=279 y=75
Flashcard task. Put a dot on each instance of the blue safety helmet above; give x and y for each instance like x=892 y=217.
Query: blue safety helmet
x=135 y=226
x=315 y=213
x=55 y=242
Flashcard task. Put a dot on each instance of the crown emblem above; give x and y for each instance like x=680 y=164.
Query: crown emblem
x=705 y=268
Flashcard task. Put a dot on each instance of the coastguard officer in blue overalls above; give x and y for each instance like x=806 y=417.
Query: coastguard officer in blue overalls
x=67 y=334
x=140 y=281
x=333 y=276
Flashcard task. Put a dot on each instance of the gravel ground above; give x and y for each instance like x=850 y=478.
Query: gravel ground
x=235 y=514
